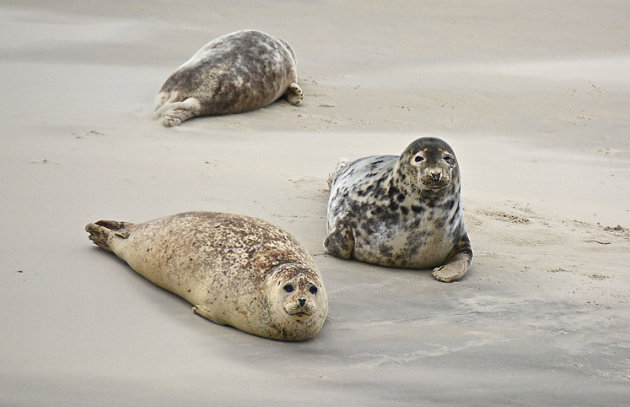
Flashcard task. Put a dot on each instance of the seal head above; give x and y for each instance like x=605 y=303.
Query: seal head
x=429 y=165
x=297 y=301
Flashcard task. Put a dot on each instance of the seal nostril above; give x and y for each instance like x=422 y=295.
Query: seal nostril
x=302 y=301
x=436 y=176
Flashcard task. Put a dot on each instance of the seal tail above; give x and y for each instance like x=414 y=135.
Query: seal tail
x=103 y=231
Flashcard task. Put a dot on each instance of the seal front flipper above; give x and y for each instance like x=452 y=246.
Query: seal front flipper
x=103 y=231
x=340 y=242
x=206 y=313
x=457 y=263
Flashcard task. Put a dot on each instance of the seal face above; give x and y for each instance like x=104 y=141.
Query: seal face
x=235 y=270
x=234 y=73
x=401 y=211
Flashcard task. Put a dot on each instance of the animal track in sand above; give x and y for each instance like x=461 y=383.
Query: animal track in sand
x=505 y=216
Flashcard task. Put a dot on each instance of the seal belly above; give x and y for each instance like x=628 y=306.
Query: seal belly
x=404 y=247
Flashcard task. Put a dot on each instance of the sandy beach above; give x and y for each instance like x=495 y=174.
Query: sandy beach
x=533 y=97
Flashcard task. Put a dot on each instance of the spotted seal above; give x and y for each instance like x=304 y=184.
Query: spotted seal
x=235 y=270
x=234 y=73
x=401 y=211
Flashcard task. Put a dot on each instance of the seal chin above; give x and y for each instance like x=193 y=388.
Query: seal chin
x=433 y=186
x=299 y=312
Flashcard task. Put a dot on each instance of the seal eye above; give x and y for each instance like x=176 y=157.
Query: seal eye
x=449 y=159
x=313 y=290
x=288 y=288
x=418 y=158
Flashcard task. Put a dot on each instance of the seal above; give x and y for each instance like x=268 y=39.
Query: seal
x=401 y=211
x=234 y=73
x=235 y=270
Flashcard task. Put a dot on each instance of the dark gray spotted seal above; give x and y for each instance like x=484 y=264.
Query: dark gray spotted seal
x=234 y=73
x=401 y=211
x=235 y=270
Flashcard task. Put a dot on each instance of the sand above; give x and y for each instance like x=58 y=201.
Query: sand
x=532 y=96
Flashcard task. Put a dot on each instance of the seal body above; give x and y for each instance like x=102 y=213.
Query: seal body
x=235 y=270
x=236 y=72
x=401 y=211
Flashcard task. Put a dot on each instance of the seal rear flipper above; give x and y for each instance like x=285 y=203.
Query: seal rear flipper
x=175 y=113
x=102 y=231
x=163 y=99
x=340 y=165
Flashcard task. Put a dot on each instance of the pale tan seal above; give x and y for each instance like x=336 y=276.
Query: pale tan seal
x=234 y=73
x=235 y=270
x=401 y=211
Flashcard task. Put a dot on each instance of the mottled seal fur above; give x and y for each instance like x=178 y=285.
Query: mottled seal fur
x=235 y=270
x=401 y=211
x=234 y=73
